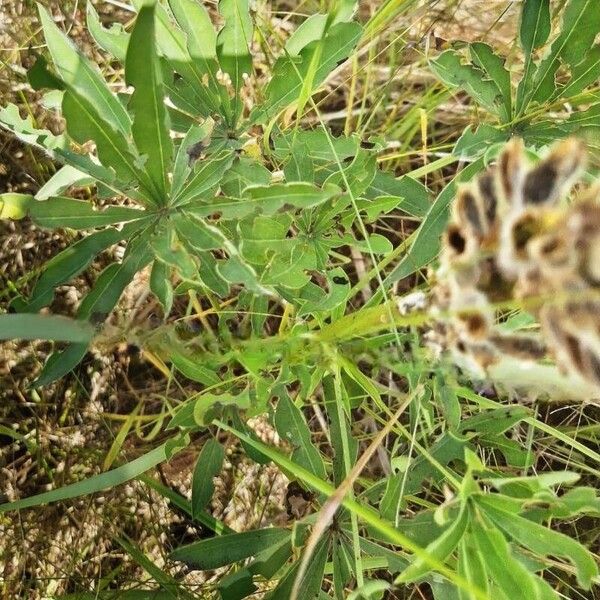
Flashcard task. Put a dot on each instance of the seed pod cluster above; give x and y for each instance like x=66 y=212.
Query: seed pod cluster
x=515 y=240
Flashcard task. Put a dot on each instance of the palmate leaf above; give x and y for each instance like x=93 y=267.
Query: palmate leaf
x=151 y=127
x=580 y=26
x=82 y=76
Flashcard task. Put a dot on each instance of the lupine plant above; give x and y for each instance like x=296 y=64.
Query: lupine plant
x=215 y=188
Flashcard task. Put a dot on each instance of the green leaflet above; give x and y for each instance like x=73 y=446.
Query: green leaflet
x=584 y=74
x=107 y=290
x=217 y=552
x=193 y=370
x=14 y=206
x=440 y=548
x=184 y=159
x=197 y=234
x=206 y=174
x=244 y=173
x=579 y=27
x=268 y=200
x=63 y=179
x=160 y=284
x=541 y=540
x=84 y=124
x=113 y=40
x=195 y=21
x=415 y=196
x=503 y=568
x=233 y=41
x=96 y=307
x=151 y=127
x=169 y=250
x=167 y=582
x=208 y=465
x=310 y=584
x=79 y=214
x=82 y=76
x=473 y=144
x=484 y=57
x=69 y=263
x=535 y=24
x=471 y=567
x=60 y=363
x=449 y=67
x=291 y=426
x=55 y=146
x=313 y=28
x=44 y=327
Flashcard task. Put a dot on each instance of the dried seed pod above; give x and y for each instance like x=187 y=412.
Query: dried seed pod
x=555 y=174
x=512 y=238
